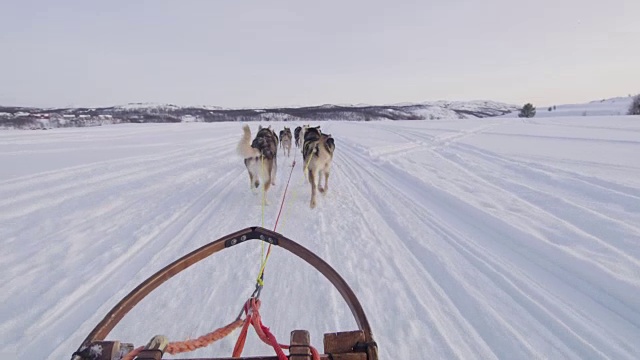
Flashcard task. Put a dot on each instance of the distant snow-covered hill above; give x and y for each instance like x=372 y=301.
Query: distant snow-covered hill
x=36 y=118
x=151 y=107
x=604 y=107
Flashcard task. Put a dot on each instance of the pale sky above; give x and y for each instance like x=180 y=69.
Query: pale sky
x=237 y=53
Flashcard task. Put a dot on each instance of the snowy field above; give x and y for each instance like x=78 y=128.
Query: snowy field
x=470 y=239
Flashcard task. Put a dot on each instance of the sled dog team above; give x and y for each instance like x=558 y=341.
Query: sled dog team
x=261 y=155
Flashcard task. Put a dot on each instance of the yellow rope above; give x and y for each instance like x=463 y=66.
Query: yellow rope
x=259 y=280
x=264 y=193
x=263 y=259
x=264 y=264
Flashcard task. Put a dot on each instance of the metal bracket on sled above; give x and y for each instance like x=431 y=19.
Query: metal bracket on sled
x=256 y=233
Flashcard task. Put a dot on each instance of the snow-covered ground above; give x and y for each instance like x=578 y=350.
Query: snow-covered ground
x=604 y=107
x=470 y=239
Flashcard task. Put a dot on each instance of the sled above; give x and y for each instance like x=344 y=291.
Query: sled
x=349 y=345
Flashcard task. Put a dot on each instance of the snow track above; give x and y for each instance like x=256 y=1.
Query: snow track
x=465 y=239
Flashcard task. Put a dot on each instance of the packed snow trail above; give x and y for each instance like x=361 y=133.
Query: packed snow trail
x=470 y=239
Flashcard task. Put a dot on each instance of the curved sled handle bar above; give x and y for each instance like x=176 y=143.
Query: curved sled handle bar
x=252 y=233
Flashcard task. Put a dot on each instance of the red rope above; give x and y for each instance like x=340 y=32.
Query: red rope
x=252 y=307
x=267 y=337
x=284 y=196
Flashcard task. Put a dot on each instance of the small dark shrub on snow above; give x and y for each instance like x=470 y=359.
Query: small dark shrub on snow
x=527 y=111
x=634 y=109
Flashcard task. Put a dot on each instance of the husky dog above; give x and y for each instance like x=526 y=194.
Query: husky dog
x=274 y=135
x=301 y=137
x=296 y=133
x=260 y=156
x=317 y=153
x=285 y=140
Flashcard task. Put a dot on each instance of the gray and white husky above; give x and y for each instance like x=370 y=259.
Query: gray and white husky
x=317 y=154
x=285 y=140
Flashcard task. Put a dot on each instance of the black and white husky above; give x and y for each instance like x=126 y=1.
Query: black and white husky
x=317 y=154
x=303 y=128
x=260 y=156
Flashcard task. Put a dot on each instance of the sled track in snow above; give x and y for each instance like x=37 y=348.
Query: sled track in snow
x=456 y=249
x=537 y=187
x=501 y=273
x=136 y=178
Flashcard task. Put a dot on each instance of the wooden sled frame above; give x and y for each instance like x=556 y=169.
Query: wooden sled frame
x=353 y=345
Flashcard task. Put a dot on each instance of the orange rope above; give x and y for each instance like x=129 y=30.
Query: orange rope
x=237 y=349
x=190 y=345
x=204 y=340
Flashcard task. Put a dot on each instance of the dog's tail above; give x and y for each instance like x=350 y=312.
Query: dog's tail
x=244 y=146
x=328 y=142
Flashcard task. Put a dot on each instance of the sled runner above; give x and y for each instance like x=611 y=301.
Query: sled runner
x=350 y=345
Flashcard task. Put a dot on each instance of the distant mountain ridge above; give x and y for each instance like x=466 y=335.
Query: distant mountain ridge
x=43 y=118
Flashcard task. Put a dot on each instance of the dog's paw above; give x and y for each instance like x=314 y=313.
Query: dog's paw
x=321 y=189
x=312 y=204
